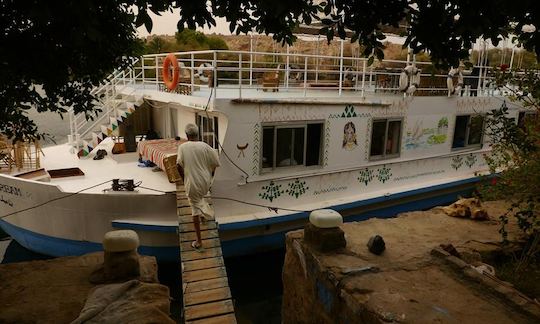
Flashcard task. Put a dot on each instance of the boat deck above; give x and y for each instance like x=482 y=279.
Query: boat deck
x=121 y=166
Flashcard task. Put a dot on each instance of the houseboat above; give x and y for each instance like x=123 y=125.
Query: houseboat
x=294 y=133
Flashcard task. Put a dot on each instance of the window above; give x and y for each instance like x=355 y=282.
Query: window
x=208 y=130
x=291 y=145
x=385 y=139
x=468 y=131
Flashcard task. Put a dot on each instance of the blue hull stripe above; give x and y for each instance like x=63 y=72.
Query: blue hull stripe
x=145 y=227
x=55 y=246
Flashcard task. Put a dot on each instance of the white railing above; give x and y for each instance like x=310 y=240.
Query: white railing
x=80 y=125
x=296 y=74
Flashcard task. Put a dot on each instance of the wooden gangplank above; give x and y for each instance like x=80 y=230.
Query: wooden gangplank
x=205 y=287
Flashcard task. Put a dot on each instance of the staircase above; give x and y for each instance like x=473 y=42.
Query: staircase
x=116 y=102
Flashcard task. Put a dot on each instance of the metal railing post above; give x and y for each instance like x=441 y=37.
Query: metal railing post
x=240 y=75
x=341 y=68
x=214 y=64
x=287 y=69
x=305 y=76
x=363 y=78
x=157 y=73
x=192 y=74
x=251 y=60
x=143 y=71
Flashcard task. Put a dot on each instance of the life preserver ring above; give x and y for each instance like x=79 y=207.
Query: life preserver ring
x=200 y=72
x=450 y=81
x=295 y=75
x=409 y=79
x=170 y=82
x=349 y=74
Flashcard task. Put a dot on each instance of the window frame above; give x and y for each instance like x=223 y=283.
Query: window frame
x=199 y=117
x=385 y=156
x=285 y=125
x=468 y=146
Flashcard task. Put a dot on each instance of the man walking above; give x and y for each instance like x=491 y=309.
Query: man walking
x=196 y=163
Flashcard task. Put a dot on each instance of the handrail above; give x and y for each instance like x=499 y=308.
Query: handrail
x=80 y=126
x=349 y=73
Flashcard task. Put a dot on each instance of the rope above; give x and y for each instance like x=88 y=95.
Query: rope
x=217 y=139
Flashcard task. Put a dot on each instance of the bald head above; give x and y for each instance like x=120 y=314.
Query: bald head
x=192 y=132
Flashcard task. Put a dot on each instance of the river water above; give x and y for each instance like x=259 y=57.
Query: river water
x=255 y=280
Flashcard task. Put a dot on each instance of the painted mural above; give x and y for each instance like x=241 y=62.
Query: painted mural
x=349 y=137
x=420 y=137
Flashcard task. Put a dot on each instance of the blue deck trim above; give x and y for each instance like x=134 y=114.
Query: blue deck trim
x=356 y=204
x=55 y=246
x=145 y=227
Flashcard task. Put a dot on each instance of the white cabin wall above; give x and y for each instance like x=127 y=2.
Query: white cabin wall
x=184 y=116
x=159 y=121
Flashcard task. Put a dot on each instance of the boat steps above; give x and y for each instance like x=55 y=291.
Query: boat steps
x=205 y=286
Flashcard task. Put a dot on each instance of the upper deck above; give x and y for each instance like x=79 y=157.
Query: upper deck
x=224 y=74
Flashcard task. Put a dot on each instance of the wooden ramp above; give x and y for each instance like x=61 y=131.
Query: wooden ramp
x=207 y=297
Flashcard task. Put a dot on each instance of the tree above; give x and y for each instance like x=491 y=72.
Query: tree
x=68 y=47
x=515 y=158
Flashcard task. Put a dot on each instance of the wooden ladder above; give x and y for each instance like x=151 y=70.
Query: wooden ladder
x=205 y=287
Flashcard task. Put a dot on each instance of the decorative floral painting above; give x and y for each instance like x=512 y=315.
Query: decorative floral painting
x=420 y=137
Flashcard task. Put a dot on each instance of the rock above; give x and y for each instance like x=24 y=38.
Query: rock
x=121 y=260
x=120 y=241
x=324 y=239
x=376 y=245
x=325 y=218
x=117 y=266
x=129 y=302
x=450 y=249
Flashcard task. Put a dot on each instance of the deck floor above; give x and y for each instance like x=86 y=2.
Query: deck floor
x=205 y=286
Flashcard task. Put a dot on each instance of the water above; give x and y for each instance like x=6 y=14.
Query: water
x=255 y=281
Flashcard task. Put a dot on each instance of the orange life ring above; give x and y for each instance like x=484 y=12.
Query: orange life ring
x=170 y=84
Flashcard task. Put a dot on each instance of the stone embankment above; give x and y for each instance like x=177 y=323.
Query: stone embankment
x=413 y=281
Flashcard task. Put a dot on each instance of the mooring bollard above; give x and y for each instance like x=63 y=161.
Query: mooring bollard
x=120 y=260
x=323 y=232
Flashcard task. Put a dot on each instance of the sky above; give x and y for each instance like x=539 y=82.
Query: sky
x=166 y=25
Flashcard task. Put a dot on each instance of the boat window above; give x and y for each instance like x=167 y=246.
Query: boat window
x=468 y=131
x=208 y=130
x=291 y=145
x=385 y=139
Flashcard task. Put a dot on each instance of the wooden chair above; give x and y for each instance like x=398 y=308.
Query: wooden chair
x=6 y=153
x=270 y=80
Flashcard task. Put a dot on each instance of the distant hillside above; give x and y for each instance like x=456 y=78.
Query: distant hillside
x=262 y=43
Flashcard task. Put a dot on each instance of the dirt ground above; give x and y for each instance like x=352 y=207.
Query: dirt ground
x=52 y=291
x=408 y=284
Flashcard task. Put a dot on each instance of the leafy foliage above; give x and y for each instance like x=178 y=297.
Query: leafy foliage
x=54 y=53
x=516 y=157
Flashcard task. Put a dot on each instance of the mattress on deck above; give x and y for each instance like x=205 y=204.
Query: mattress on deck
x=157 y=150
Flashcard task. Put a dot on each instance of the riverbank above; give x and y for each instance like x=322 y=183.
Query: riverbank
x=413 y=281
x=55 y=290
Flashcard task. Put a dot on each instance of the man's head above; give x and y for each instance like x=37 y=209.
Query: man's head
x=192 y=132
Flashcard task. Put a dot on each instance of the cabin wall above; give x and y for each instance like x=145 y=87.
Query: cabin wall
x=184 y=117
x=346 y=172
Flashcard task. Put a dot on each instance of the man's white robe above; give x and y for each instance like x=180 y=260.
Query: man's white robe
x=198 y=160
